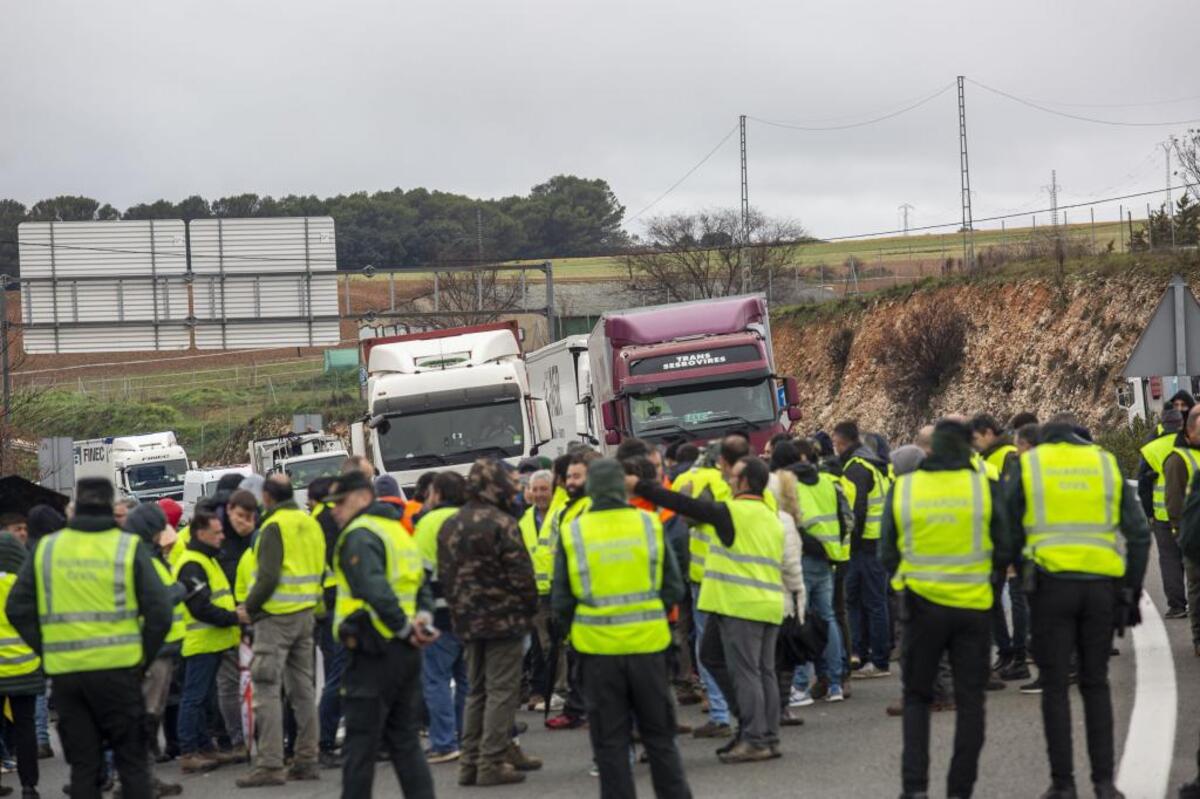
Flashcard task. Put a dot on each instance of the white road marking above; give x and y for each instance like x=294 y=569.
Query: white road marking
x=1150 y=743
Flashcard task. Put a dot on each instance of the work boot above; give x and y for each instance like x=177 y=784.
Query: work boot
x=302 y=772
x=197 y=762
x=498 y=774
x=1017 y=670
x=746 y=752
x=1106 y=790
x=790 y=717
x=263 y=777
x=29 y=792
x=238 y=754
x=728 y=747
x=467 y=774
x=1060 y=793
x=517 y=758
x=711 y=729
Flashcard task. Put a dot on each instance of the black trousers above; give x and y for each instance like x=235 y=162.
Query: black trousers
x=929 y=631
x=382 y=706
x=22 y=737
x=1074 y=617
x=620 y=690
x=99 y=710
x=1170 y=565
x=841 y=616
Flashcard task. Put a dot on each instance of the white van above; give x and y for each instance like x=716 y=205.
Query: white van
x=199 y=483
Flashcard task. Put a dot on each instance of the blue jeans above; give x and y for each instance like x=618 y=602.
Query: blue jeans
x=444 y=660
x=818 y=584
x=718 y=709
x=867 y=605
x=42 y=720
x=199 y=677
x=329 y=709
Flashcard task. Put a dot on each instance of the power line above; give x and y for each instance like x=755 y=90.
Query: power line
x=1114 y=122
x=686 y=175
x=892 y=115
x=1146 y=104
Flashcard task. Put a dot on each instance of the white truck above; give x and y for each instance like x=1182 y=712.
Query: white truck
x=301 y=456
x=444 y=398
x=560 y=371
x=146 y=467
x=201 y=483
x=1144 y=397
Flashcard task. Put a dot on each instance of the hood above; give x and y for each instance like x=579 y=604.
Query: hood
x=1186 y=397
x=488 y=482
x=866 y=453
x=806 y=473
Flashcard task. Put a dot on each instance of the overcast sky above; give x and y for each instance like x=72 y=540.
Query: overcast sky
x=131 y=101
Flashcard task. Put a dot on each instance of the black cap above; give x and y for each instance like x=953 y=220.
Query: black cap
x=94 y=495
x=348 y=482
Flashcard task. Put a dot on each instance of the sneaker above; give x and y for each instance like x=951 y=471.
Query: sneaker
x=8 y=766
x=517 y=758
x=800 y=698
x=1034 y=687
x=870 y=671
x=534 y=701
x=734 y=741
x=1014 y=671
x=746 y=752
x=498 y=774
x=197 y=763
x=594 y=771
x=1002 y=662
x=1176 y=613
x=790 y=717
x=328 y=759
x=263 y=777
x=855 y=663
x=711 y=729
x=556 y=704
x=835 y=694
x=564 y=722
x=448 y=756
x=303 y=772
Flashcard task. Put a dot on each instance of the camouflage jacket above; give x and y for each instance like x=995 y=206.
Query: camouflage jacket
x=486 y=574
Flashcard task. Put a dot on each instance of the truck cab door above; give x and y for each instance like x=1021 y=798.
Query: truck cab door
x=583 y=421
x=541 y=426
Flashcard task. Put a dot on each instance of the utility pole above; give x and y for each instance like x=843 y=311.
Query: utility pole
x=745 y=211
x=479 y=235
x=904 y=209
x=1170 y=215
x=1052 y=189
x=965 y=180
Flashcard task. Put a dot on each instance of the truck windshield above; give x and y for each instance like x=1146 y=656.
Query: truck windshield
x=304 y=472
x=148 y=476
x=452 y=435
x=698 y=407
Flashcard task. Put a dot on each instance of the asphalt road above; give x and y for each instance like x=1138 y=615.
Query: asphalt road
x=851 y=749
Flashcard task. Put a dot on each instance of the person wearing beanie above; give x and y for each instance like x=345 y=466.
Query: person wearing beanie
x=42 y=521
x=624 y=665
x=149 y=523
x=942 y=537
x=95 y=666
x=172 y=509
x=21 y=679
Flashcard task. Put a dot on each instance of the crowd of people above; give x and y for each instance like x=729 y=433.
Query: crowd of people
x=603 y=592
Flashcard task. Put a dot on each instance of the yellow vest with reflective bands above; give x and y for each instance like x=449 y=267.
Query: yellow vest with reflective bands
x=202 y=638
x=300 y=579
x=818 y=505
x=746 y=581
x=873 y=524
x=1191 y=462
x=984 y=467
x=87 y=605
x=16 y=657
x=178 y=620
x=998 y=458
x=537 y=541
x=693 y=483
x=402 y=564
x=1155 y=452
x=243 y=575
x=177 y=549
x=615 y=565
x=943 y=533
x=425 y=535
x=327 y=579
x=1072 y=509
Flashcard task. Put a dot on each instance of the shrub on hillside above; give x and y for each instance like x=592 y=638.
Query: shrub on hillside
x=926 y=350
x=64 y=413
x=1125 y=441
x=838 y=346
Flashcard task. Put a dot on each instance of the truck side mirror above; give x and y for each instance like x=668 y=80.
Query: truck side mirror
x=793 y=413
x=542 y=424
x=583 y=421
x=608 y=415
x=612 y=437
x=791 y=392
x=379 y=422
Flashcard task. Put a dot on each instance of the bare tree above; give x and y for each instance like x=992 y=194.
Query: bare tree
x=1187 y=153
x=464 y=298
x=709 y=254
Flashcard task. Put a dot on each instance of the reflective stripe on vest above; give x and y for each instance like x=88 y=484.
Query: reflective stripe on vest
x=201 y=637
x=1072 y=509
x=746 y=581
x=615 y=565
x=700 y=537
x=178 y=620
x=818 y=506
x=16 y=657
x=873 y=522
x=1155 y=453
x=425 y=536
x=541 y=555
x=943 y=520
x=402 y=566
x=87 y=607
x=303 y=565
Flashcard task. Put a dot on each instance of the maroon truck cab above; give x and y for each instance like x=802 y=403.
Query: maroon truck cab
x=694 y=371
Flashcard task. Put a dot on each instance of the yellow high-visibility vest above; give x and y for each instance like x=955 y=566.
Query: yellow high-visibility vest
x=693 y=483
x=300 y=578
x=746 y=580
x=402 y=564
x=201 y=637
x=873 y=523
x=16 y=657
x=541 y=554
x=615 y=566
x=819 y=509
x=1155 y=452
x=178 y=620
x=998 y=458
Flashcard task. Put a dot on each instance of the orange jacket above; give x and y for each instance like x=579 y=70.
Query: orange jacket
x=411 y=509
